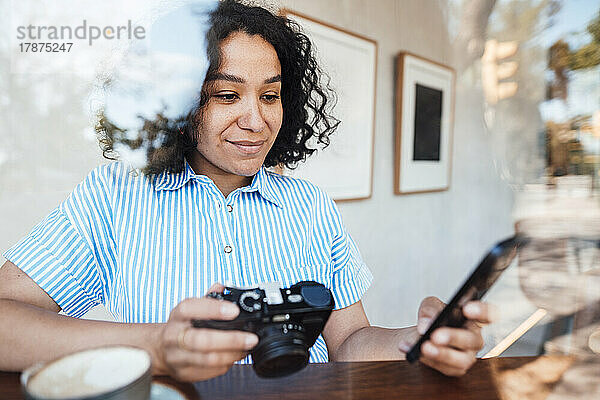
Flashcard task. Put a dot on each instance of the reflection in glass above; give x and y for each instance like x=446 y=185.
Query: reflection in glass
x=539 y=69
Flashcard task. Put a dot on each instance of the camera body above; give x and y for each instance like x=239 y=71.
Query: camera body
x=287 y=322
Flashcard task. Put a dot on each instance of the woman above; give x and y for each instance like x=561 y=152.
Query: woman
x=206 y=210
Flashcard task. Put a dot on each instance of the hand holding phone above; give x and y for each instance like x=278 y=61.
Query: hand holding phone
x=474 y=288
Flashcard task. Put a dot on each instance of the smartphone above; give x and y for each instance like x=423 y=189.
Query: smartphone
x=481 y=280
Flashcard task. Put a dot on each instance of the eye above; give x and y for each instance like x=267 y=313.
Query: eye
x=270 y=98
x=226 y=97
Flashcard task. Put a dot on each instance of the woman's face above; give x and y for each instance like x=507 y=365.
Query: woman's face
x=244 y=113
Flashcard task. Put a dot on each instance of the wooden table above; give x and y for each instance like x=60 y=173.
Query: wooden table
x=490 y=379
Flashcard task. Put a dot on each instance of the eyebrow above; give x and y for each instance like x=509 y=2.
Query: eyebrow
x=276 y=78
x=218 y=76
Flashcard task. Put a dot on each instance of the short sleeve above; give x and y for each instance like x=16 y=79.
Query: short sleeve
x=70 y=253
x=351 y=276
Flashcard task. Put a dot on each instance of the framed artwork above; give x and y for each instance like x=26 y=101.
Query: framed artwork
x=344 y=169
x=424 y=121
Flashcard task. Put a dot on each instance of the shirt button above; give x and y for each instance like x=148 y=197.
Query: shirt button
x=229 y=207
x=227 y=249
x=219 y=205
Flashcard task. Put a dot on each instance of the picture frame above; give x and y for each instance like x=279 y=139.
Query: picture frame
x=344 y=169
x=424 y=125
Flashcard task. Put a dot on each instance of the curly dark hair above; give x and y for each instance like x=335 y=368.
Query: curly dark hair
x=306 y=96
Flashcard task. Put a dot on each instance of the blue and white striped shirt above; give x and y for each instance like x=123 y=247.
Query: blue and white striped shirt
x=141 y=244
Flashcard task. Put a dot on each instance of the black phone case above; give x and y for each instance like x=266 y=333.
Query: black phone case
x=475 y=287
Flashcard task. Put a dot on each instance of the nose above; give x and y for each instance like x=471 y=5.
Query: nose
x=252 y=117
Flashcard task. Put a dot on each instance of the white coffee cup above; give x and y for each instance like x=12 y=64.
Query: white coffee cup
x=112 y=372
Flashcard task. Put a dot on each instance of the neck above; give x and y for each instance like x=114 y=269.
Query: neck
x=226 y=182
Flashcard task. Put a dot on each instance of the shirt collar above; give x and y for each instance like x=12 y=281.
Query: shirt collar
x=261 y=182
x=172 y=181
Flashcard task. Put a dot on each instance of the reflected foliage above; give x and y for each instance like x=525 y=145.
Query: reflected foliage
x=586 y=56
x=160 y=139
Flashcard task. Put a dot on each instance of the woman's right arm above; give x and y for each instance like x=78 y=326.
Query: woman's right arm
x=32 y=331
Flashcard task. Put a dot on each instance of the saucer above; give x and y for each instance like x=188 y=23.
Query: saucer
x=160 y=391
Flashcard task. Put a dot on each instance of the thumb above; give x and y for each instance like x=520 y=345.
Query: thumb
x=429 y=309
x=216 y=288
x=423 y=324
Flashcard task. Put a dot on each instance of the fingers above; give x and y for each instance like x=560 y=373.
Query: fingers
x=462 y=339
x=205 y=308
x=207 y=353
x=452 y=351
x=216 y=360
x=225 y=359
x=208 y=340
x=480 y=312
x=447 y=360
x=192 y=354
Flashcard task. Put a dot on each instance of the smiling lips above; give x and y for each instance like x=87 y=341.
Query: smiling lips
x=247 y=146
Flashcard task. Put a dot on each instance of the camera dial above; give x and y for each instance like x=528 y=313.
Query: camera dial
x=250 y=301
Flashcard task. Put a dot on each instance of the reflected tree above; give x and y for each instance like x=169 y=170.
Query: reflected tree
x=588 y=55
x=558 y=61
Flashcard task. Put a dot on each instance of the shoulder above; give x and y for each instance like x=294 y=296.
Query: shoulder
x=297 y=192
x=116 y=174
x=289 y=185
x=106 y=181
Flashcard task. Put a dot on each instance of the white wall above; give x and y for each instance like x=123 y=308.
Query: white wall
x=422 y=244
x=416 y=245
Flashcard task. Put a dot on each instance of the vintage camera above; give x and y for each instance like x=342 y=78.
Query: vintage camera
x=287 y=322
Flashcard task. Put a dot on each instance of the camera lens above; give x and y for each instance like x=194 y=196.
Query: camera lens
x=281 y=351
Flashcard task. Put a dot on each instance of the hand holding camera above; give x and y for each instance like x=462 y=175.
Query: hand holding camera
x=189 y=354
x=287 y=322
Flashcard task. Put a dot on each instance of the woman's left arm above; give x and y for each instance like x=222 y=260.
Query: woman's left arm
x=452 y=351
